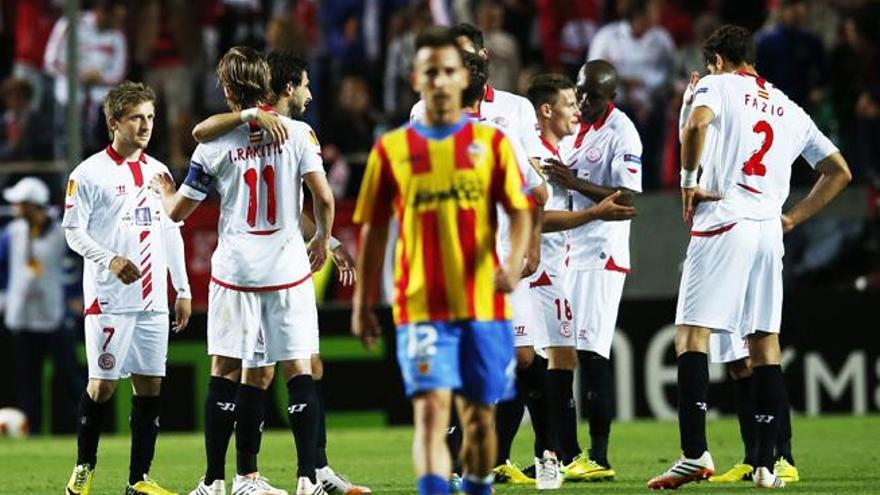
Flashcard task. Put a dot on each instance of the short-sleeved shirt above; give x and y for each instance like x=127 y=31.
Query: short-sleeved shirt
x=109 y=198
x=607 y=153
x=756 y=135
x=553 y=243
x=443 y=184
x=260 y=244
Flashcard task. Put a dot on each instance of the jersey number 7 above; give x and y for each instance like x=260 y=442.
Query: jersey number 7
x=250 y=180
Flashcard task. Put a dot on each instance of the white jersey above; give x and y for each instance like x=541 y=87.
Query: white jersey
x=109 y=198
x=260 y=245
x=756 y=135
x=607 y=153
x=35 y=296
x=553 y=243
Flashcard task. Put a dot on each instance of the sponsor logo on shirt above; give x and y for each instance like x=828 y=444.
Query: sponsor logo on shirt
x=465 y=189
x=142 y=216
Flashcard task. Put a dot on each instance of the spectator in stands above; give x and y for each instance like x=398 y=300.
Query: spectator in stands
x=791 y=57
x=398 y=97
x=23 y=135
x=643 y=53
x=169 y=48
x=349 y=134
x=103 y=63
x=33 y=23
x=565 y=29
x=504 y=61
x=32 y=263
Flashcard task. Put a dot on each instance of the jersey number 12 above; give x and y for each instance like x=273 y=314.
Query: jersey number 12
x=250 y=179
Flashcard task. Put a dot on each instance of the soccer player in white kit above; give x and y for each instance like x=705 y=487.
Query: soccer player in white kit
x=604 y=157
x=129 y=245
x=516 y=117
x=290 y=84
x=745 y=134
x=556 y=106
x=262 y=306
x=733 y=351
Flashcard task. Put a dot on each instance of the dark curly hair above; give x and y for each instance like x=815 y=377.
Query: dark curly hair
x=286 y=66
x=733 y=43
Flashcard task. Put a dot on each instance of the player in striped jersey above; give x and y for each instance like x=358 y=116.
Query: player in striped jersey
x=442 y=177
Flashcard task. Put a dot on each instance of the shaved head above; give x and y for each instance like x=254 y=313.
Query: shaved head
x=597 y=87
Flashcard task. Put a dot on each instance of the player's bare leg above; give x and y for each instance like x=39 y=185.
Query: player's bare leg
x=219 y=423
x=144 y=431
x=479 y=446
x=431 y=459
x=695 y=464
x=92 y=407
x=769 y=391
x=332 y=481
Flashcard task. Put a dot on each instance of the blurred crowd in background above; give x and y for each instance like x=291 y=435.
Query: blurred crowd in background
x=824 y=54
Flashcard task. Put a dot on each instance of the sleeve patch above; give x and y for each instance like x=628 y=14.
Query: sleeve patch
x=632 y=158
x=71 y=188
x=701 y=91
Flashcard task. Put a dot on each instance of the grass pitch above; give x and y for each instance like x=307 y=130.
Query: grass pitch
x=835 y=455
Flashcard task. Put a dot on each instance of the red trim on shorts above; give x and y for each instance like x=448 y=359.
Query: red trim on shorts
x=542 y=281
x=263 y=232
x=713 y=232
x=267 y=288
x=614 y=267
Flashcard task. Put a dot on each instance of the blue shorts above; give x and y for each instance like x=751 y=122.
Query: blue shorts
x=473 y=358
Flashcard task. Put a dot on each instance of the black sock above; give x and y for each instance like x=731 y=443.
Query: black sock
x=769 y=388
x=600 y=403
x=250 y=409
x=783 y=445
x=219 y=425
x=558 y=381
x=693 y=390
x=534 y=379
x=321 y=455
x=508 y=416
x=454 y=438
x=90 y=415
x=144 y=430
x=302 y=411
x=745 y=412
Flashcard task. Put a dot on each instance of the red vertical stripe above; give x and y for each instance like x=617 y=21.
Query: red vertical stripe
x=467 y=239
x=463 y=140
x=432 y=263
x=403 y=279
x=499 y=194
x=418 y=152
x=148 y=278
x=499 y=301
x=136 y=173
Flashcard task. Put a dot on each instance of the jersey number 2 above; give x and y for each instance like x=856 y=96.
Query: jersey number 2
x=753 y=165
x=250 y=180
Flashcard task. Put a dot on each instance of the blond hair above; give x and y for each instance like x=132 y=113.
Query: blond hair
x=245 y=73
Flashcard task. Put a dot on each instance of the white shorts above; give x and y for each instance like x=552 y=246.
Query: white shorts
x=262 y=328
x=549 y=295
x=727 y=347
x=595 y=297
x=121 y=344
x=528 y=325
x=732 y=279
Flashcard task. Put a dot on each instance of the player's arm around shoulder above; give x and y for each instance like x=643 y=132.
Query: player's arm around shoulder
x=221 y=124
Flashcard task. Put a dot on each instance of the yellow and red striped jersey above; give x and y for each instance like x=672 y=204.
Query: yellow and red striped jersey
x=443 y=184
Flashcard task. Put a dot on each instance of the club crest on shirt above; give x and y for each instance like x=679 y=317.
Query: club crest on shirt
x=106 y=361
x=500 y=122
x=565 y=329
x=594 y=154
x=475 y=153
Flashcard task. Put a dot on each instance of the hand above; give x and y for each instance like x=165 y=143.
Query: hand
x=533 y=260
x=273 y=124
x=559 y=174
x=182 y=312
x=506 y=279
x=345 y=264
x=691 y=87
x=162 y=184
x=317 y=251
x=124 y=269
x=610 y=211
x=690 y=198
x=788 y=223
x=365 y=326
